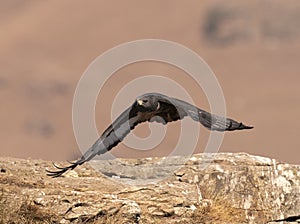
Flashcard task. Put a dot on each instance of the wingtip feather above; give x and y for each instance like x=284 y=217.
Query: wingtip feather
x=60 y=170
x=243 y=126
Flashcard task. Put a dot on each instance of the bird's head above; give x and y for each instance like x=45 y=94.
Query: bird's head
x=147 y=103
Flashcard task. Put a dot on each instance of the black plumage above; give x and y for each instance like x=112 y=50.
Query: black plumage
x=151 y=107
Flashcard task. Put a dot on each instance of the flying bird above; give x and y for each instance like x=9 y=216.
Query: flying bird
x=151 y=107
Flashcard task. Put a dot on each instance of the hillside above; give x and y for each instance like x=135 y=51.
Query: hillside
x=233 y=188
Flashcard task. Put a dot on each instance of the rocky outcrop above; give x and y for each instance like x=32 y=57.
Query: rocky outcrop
x=206 y=188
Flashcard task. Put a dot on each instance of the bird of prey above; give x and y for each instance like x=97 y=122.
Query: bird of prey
x=150 y=107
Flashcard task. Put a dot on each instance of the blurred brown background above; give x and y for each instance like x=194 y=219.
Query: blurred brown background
x=253 y=48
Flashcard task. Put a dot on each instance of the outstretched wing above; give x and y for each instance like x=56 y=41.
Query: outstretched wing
x=175 y=109
x=170 y=109
x=111 y=137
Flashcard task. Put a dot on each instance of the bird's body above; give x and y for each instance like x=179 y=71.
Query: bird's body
x=151 y=107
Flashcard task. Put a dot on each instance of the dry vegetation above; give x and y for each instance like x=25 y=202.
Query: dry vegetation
x=234 y=189
x=14 y=209
x=20 y=190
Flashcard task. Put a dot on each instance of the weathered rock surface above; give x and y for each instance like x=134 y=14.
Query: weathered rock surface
x=231 y=188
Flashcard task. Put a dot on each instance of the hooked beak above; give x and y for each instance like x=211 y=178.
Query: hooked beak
x=140 y=102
